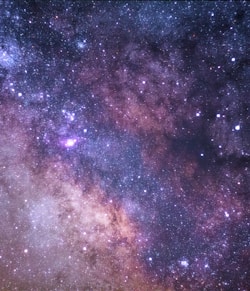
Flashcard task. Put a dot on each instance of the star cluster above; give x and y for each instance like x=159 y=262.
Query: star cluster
x=124 y=145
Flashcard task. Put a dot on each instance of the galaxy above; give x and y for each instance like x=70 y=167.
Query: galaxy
x=124 y=145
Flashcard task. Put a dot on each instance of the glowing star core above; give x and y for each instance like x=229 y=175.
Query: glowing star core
x=184 y=263
x=237 y=127
x=70 y=142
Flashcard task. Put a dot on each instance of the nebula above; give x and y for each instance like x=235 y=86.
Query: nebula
x=124 y=145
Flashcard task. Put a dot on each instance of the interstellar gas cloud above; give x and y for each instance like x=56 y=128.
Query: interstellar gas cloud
x=124 y=145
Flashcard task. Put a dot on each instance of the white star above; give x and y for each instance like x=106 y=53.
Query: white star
x=70 y=142
x=237 y=127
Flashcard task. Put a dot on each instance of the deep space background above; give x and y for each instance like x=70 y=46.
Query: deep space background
x=124 y=145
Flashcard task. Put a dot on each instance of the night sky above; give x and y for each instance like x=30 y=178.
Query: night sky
x=124 y=145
